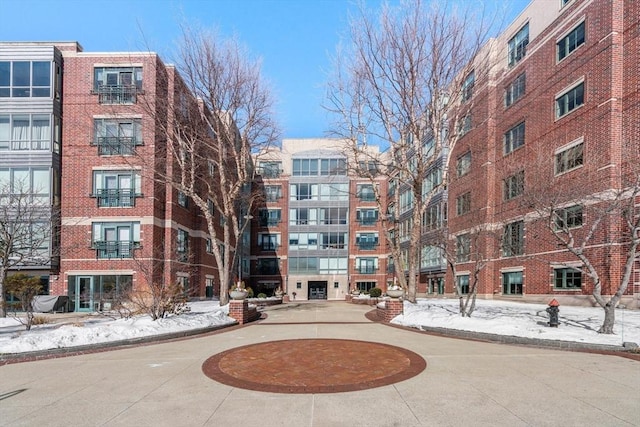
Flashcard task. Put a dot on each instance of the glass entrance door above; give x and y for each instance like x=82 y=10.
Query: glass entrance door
x=84 y=293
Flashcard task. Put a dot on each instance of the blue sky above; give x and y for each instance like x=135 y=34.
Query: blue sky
x=294 y=38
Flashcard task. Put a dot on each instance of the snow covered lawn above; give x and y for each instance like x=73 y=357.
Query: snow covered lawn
x=98 y=328
x=577 y=324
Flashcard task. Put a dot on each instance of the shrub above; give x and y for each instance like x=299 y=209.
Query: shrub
x=40 y=320
x=262 y=295
x=375 y=292
x=249 y=292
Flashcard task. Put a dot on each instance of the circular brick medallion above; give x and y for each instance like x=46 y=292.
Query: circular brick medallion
x=313 y=366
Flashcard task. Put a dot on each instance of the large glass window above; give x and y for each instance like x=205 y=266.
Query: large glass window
x=367 y=216
x=567 y=278
x=570 y=158
x=462 y=283
x=268 y=242
x=367 y=241
x=570 y=100
x=515 y=90
x=117 y=85
x=268 y=266
x=365 y=192
x=514 y=185
x=514 y=138
x=367 y=265
x=116 y=188
x=463 y=164
x=272 y=192
x=566 y=218
x=270 y=217
x=333 y=167
x=305 y=167
x=25 y=79
x=304 y=191
x=117 y=136
x=25 y=132
x=329 y=216
x=182 y=245
x=513 y=239
x=34 y=184
x=115 y=240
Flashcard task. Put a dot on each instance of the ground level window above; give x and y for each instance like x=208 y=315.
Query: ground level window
x=462 y=283
x=512 y=283
x=567 y=278
x=365 y=286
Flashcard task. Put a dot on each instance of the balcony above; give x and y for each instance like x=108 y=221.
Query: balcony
x=119 y=94
x=367 y=246
x=269 y=246
x=116 y=145
x=367 y=197
x=269 y=222
x=115 y=249
x=367 y=221
x=270 y=172
x=268 y=271
x=367 y=269
x=115 y=198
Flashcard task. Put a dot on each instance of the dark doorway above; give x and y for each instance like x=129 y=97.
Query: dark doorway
x=318 y=290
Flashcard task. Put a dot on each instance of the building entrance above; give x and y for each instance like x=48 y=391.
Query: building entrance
x=317 y=290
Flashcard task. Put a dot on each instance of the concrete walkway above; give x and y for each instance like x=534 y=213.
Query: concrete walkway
x=465 y=383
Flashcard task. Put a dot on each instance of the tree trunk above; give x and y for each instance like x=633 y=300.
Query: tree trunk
x=609 y=319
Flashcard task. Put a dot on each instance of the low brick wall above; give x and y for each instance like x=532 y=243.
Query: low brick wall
x=389 y=308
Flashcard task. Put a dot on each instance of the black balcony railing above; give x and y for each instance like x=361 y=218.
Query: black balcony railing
x=367 y=246
x=368 y=221
x=270 y=172
x=116 y=198
x=269 y=222
x=269 y=246
x=268 y=271
x=116 y=145
x=367 y=269
x=115 y=249
x=120 y=94
x=367 y=197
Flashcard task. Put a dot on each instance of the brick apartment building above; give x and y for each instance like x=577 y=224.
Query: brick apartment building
x=553 y=102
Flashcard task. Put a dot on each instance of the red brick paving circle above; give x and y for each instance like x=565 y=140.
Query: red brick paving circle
x=313 y=366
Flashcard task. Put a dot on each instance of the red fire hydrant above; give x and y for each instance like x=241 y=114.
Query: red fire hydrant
x=553 y=311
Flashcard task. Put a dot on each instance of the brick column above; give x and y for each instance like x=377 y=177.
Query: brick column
x=393 y=307
x=239 y=310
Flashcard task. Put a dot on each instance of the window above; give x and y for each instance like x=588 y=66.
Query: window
x=183 y=282
x=366 y=265
x=514 y=185
x=182 y=245
x=432 y=180
x=462 y=283
x=314 y=265
x=304 y=191
x=367 y=241
x=365 y=287
x=115 y=240
x=567 y=278
x=515 y=90
x=518 y=45
x=368 y=168
x=406 y=201
x=366 y=192
x=329 y=216
x=463 y=164
x=467 y=86
x=333 y=167
x=568 y=218
x=513 y=239
x=116 y=188
x=208 y=245
x=117 y=85
x=512 y=283
x=270 y=217
x=570 y=158
x=305 y=167
x=570 y=100
x=34 y=184
x=433 y=217
x=268 y=266
x=268 y=242
x=333 y=240
x=334 y=191
x=117 y=136
x=336 y=285
x=514 y=138
x=25 y=132
x=270 y=169
x=183 y=199
x=463 y=204
x=431 y=257
x=464 y=126
x=25 y=79
x=571 y=42
x=463 y=248
x=273 y=192
x=367 y=216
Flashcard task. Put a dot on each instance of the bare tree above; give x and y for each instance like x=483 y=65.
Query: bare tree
x=25 y=232
x=405 y=83
x=218 y=112
x=25 y=287
x=591 y=226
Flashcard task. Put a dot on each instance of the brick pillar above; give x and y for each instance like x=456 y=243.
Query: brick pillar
x=239 y=310
x=393 y=307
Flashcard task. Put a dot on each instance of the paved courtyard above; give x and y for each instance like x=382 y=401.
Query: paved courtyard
x=460 y=382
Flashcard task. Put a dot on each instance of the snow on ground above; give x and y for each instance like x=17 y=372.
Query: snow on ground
x=578 y=324
x=497 y=317
x=98 y=328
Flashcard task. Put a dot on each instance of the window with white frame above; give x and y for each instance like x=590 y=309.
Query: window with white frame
x=25 y=132
x=514 y=138
x=515 y=90
x=365 y=192
x=113 y=188
x=25 y=79
x=433 y=217
x=115 y=239
x=432 y=180
x=367 y=241
x=570 y=100
x=431 y=257
x=32 y=184
x=304 y=191
x=569 y=158
x=367 y=216
x=518 y=45
x=273 y=192
x=570 y=42
x=406 y=201
x=117 y=85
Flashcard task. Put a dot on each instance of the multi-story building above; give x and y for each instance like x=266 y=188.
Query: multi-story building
x=557 y=106
x=316 y=231
x=30 y=147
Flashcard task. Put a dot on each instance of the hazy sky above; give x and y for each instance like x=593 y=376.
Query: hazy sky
x=294 y=38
